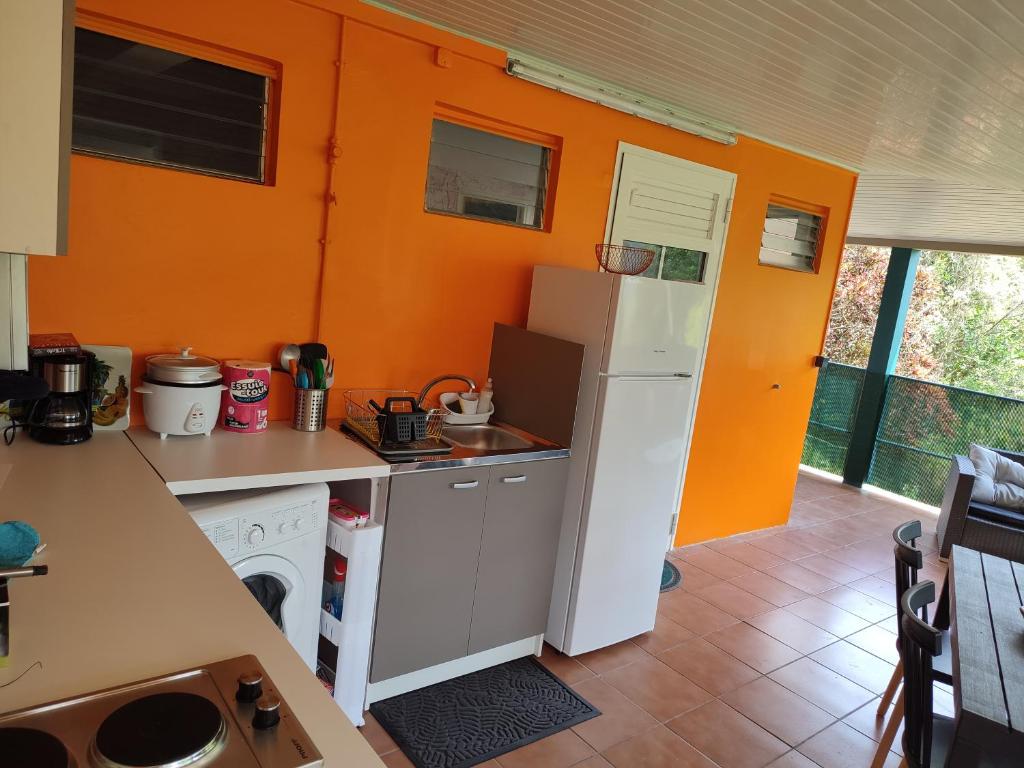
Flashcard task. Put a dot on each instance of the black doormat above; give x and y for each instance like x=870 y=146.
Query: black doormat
x=670 y=577
x=469 y=720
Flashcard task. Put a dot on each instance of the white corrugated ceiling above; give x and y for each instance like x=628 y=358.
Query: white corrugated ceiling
x=922 y=213
x=925 y=89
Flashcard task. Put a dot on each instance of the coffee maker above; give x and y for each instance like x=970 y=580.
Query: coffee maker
x=64 y=416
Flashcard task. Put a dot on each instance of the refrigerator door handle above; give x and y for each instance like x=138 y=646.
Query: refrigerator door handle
x=645 y=376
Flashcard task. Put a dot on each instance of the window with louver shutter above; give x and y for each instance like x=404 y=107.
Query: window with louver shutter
x=149 y=105
x=791 y=238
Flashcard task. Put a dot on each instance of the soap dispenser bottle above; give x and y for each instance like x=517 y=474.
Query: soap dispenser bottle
x=486 y=394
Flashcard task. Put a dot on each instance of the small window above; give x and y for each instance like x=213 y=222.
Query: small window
x=150 y=105
x=790 y=238
x=486 y=176
x=681 y=265
x=492 y=209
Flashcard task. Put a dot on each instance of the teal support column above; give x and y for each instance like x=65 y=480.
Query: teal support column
x=885 y=349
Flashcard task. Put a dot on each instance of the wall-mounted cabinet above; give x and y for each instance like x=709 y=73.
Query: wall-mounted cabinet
x=36 y=74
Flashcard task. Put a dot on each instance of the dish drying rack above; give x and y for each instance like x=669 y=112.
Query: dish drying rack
x=365 y=421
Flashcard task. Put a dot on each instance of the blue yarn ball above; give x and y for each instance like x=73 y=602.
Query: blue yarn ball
x=18 y=541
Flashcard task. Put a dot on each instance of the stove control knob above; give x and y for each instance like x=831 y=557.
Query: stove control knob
x=268 y=713
x=250 y=687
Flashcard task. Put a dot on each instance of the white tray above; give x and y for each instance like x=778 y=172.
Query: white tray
x=449 y=398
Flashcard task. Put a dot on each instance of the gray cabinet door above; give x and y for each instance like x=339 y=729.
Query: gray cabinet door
x=517 y=556
x=428 y=572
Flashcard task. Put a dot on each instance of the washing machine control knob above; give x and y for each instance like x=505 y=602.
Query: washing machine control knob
x=250 y=687
x=297 y=524
x=282 y=527
x=255 y=535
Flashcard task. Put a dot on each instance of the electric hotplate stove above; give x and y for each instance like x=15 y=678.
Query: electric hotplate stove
x=224 y=714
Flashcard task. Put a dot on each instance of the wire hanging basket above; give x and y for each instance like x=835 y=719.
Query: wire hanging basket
x=623 y=260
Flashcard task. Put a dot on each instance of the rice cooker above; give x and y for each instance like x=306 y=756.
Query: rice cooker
x=181 y=393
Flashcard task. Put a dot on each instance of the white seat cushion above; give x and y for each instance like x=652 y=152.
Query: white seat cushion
x=999 y=480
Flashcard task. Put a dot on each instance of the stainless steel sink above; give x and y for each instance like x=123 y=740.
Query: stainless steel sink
x=483 y=437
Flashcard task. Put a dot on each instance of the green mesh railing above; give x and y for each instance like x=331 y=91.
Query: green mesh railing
x=832 y=415
x=923 y=424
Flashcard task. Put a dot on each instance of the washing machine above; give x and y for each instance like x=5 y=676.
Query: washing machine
x=274 y=540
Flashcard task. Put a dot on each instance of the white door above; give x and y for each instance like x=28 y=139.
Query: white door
x=635 y=464
x=679 y=210
x=263 y=572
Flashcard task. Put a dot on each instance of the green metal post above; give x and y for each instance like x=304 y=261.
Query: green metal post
x=885 y=349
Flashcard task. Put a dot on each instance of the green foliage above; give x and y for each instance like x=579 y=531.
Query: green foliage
x=980 y=341
x=965 y=325
x=965 y=329
x=683 y=264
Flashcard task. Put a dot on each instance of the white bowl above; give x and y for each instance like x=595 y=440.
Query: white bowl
x=448 y=399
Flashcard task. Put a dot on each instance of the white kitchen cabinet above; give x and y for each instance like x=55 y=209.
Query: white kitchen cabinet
x=13 y=312
x=36 y=81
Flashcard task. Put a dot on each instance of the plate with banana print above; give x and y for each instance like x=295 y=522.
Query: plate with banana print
x=111 y=379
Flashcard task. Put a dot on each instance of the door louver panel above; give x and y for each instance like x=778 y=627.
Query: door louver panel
x=687 y=210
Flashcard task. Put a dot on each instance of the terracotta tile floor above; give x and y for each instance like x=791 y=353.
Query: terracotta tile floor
x=772 y=653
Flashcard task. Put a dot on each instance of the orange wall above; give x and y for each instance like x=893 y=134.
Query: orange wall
x=161 y=258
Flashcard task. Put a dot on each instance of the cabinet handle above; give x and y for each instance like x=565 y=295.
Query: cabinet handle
x=463 y=486
x=514 y=479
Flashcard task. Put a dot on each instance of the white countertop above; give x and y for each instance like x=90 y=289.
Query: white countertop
x=135 y=590
x=228 y=461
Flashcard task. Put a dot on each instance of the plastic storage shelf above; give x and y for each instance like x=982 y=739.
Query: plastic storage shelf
x=330 y=627
x=353 y=633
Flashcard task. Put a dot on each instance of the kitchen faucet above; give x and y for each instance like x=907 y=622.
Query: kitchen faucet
x=445 y=377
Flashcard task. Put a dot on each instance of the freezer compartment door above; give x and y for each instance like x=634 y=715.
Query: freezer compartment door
x=659 y=326
x=634 y=480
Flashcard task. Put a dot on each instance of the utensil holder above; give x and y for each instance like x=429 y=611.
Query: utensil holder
x=310 y=410
x=403 y=426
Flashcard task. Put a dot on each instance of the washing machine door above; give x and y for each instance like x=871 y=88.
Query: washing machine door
x=277 y=585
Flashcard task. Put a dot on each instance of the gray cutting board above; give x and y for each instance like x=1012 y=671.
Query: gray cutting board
x=536 y=382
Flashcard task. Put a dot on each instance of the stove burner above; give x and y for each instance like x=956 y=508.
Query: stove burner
x=165 y=730
x=27 y=746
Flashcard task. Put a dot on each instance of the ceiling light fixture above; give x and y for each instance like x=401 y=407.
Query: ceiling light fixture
x=613 y=98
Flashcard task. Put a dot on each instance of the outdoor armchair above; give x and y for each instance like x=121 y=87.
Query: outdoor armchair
x=970 y=523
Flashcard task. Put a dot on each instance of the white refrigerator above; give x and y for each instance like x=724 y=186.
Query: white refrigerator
x=645 y=341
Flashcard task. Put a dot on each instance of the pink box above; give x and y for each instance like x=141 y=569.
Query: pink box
x=244 y=403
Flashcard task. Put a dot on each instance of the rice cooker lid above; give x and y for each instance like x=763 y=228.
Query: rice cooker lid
x=183 y=368
x=248 y=365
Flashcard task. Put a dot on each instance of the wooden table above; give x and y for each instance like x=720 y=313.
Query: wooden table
x=988 y=659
